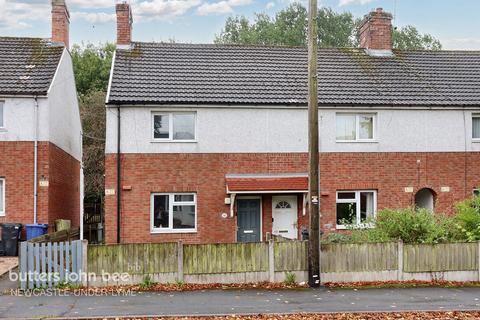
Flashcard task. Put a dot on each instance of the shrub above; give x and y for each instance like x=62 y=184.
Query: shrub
x=146 y=283
x=290 y=278
x=468 y=219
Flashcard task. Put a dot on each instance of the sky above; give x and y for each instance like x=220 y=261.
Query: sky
x=454 y=22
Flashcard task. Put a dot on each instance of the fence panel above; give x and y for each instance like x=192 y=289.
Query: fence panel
x=225 y=258
x=440 y=257
x=359 y=257
x=133 y=258
x=40 y=266
x=291 y=256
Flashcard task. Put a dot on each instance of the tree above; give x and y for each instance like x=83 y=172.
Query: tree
x=91 y=65
x=289 y=28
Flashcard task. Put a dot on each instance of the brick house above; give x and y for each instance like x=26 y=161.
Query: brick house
x=208 y=143
x=40 y=128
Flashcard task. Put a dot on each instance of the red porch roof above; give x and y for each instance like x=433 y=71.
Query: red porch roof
x=267 y=183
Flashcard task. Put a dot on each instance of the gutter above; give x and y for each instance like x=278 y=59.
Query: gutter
x=119 y=176
x=35 y=160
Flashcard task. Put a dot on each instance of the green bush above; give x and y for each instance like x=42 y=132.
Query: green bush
x=468 y=219
x=290 y=279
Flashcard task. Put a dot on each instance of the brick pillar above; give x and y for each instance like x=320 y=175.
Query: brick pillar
x=124 y=23
x=376 y=30
x=60 y=22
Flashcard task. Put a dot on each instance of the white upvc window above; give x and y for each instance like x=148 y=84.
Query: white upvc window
x=2 y=197
x=356 y=208
x=173 y=212
x=174 y=126
x=355 y=127
x=2 y=115
x=476 y=127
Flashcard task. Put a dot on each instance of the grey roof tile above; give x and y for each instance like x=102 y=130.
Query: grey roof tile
x=27 y=65
x=154 y=73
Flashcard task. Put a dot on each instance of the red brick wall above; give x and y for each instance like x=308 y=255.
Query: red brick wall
x=55 y=201
x=124 y=27
x=389 y=173
x=376 y=31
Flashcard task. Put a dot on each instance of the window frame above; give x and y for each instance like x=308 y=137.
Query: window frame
x=171 y=204
x=170 y=115
x=2 y=111
x=3 y=196
x=358 y=205
x=357 y=126
x=475 y=116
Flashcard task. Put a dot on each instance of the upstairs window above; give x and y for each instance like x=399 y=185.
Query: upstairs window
x=173 y=126
x=2 y=196
x=355 y=127
x=2 y=116
x=476 y=126
x=355 y=207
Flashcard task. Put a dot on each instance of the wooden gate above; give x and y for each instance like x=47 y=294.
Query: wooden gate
x=46 y=265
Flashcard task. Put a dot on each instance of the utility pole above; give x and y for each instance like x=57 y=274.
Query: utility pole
x=313 y=150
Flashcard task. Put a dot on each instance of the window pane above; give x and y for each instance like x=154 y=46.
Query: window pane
x=184 y=217
x=1 y=115
x=366 y=206
x=184 y=198
x=160 y=126
x=346 y=213
x=2 y=201
x=346 y=127
x=184 y=126
x=366 y=126
x=160 y=211
x=476 y=128
x=346 y=195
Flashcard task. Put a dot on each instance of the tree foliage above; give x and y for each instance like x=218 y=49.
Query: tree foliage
x=289 y=28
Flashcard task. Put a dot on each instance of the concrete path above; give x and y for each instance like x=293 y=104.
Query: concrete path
x=218 y=302
x=7 y=264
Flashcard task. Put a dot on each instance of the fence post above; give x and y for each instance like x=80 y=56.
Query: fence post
x=400 y=261
x=23 y=265
x=180 y=261
x=271 y=261
x=478 y=259
x=84 y=270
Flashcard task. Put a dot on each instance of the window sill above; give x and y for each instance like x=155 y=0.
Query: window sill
x=170 y=231
x=356 y=141
x=355 y=227
x=473 y=140
x=173 y=141
x=3 y=129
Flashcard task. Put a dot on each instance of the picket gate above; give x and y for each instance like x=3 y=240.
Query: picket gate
x=46 y=265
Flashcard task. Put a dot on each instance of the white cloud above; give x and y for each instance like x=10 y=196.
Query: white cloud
x=270 y=5
x=162 y=9
x=221 y=7
x=91 y=3
x=16 y=14
x=349 y=2
x=94 y=17
x=461 y=43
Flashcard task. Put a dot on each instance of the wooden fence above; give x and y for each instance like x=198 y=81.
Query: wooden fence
x=269 y=261
x=45 y=265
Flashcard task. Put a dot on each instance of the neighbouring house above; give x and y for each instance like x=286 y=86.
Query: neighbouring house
x=208 y=143
x=40 y=128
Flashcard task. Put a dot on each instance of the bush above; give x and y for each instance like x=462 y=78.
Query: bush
x=290 y=278
x=468 y=219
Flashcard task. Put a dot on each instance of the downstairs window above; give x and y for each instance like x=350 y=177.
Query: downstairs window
x=355 y=208
x=173 y=212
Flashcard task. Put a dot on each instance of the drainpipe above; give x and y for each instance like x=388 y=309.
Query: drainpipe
x=119 y=177
x=35 y=160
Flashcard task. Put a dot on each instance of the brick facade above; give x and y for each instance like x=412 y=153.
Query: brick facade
x=61 y=199
x=388 y=173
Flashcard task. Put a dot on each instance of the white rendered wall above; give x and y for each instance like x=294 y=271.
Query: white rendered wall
x=224 y=130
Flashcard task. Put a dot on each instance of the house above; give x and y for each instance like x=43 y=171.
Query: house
x=208 y=143
x=40 y=128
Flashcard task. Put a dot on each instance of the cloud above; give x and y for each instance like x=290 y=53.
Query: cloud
x=350 y=2
x=162 y=9
x=221 y=7
x=461 y=43
x=270 y=5
x=94 y=17
x=91 y=3
x=16 y=14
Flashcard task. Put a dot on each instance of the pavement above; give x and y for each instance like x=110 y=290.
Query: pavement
x=229 y=302
x=7 y=264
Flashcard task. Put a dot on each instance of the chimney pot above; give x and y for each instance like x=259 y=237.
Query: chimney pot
x=376 y=31
x=124 y=23
x=60 y=22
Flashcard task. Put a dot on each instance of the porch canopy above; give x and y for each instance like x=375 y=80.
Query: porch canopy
x=264 y=184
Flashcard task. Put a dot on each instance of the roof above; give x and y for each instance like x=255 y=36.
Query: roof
x=27 y=65
x=156 y=73
x=267 y=183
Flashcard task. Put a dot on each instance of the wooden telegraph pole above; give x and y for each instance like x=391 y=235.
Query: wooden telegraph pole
x=313 y=150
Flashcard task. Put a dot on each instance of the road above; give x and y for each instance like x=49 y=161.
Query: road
x=221 y=302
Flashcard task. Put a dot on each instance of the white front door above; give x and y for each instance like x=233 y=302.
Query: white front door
x=284 y=214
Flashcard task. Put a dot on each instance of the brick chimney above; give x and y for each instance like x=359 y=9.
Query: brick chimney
x=60 y=22
x=376 y=31
x=124 y=23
